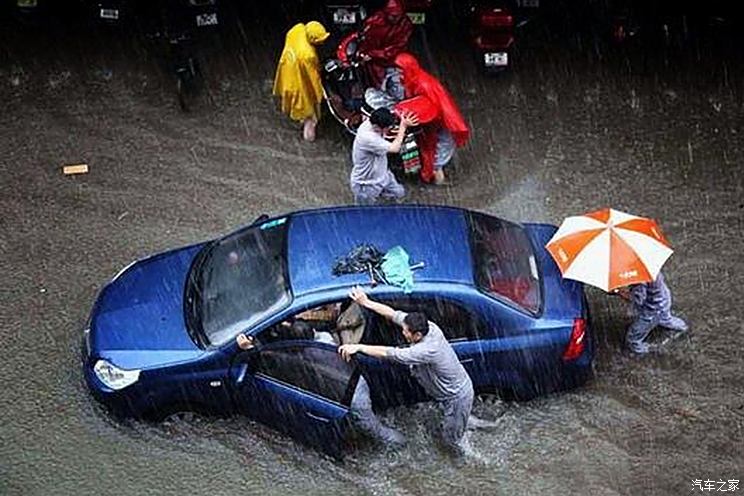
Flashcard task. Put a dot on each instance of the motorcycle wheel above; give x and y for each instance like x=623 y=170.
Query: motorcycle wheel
x=181 y=91
x=187 y=85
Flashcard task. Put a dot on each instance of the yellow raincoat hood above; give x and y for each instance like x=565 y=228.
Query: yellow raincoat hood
x=297 y=81
x=316 y=32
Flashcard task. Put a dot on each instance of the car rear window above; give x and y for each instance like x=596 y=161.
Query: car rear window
x=504 y=259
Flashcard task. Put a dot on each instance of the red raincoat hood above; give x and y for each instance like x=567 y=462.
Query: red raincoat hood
x=419 y=82
x=386 y=33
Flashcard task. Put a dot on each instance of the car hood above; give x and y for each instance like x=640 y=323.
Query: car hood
x=562 y=297
x=138 y=319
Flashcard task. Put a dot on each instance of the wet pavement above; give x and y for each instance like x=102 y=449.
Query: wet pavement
x=574 y=126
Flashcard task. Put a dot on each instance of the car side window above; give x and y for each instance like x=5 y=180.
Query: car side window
x=457 y=322
x=334 y=323
x=320 y=371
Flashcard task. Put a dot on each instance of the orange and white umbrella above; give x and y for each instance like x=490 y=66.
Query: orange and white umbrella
x=609 y=249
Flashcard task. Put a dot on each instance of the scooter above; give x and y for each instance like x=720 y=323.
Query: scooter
x=417 y=10
x=346 y=16
x=31 y=12
x=350 y=14
x=188 y=14
x=28 y=7
x=492 y=35
x=344 y=86
x=111 y=12
x=490 y=24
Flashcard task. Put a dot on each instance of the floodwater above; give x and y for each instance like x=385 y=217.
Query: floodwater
x=574 y=126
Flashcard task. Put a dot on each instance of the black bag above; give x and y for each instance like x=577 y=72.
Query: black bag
x=363 y=258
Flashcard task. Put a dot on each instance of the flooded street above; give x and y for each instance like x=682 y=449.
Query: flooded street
x=571 y=128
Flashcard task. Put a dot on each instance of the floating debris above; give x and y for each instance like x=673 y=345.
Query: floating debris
x=75 y=169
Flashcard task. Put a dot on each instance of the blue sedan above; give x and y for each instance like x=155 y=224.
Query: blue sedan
x=162 y=333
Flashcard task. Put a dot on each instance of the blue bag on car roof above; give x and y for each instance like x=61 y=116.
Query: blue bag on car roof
x=396 y=269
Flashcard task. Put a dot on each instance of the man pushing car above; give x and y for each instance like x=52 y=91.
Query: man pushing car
x=432 y=361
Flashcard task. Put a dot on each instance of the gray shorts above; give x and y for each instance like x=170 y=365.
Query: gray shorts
x=369 y=194
x=445 y=149
x=456 y=412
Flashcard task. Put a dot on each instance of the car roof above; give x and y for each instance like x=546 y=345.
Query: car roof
x=437 y=236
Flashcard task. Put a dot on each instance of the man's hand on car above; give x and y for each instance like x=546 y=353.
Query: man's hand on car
x=245 y=342
x=347 y=350
x=358 y=295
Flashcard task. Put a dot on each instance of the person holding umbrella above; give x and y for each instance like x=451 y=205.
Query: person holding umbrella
x=652 y=304
x=620 y=253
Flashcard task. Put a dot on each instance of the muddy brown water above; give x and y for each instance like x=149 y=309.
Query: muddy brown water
x=563 y=133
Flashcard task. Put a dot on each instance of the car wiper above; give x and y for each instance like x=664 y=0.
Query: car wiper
x=192 y=300
x=194 y=325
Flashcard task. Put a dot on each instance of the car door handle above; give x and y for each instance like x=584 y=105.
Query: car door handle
x=318 y=418
x=242 y=370
x=468 y=360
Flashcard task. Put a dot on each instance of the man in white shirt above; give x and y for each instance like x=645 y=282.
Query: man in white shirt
x=371 y=178
x=433 y=363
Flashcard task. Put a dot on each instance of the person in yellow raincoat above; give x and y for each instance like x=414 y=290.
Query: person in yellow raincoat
x=297 y=81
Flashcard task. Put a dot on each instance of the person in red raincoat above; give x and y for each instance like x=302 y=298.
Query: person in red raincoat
x=385 y=34
x=447 y=131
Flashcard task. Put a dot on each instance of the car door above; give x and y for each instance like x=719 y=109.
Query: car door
x=302 y=388
x=390 y=383
x=462 y=326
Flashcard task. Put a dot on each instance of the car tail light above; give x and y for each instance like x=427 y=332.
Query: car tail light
x=495 y=18
x=493 y=42
x=577 y=342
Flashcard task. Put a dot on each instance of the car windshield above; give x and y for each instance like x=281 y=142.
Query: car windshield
x=504 y=261
x=238 y=281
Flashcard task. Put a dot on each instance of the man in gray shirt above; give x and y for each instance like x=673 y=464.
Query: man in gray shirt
x=433 y=363
x=370 y=177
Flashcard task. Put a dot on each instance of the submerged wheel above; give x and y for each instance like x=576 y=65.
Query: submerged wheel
x=189 y=83
x=184 y=416
x=177 y=413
